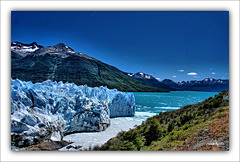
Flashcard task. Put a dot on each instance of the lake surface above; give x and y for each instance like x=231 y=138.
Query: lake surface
x=158 y=102
x=147 y=105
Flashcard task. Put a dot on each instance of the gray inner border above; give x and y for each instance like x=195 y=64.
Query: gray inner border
x=148 y=153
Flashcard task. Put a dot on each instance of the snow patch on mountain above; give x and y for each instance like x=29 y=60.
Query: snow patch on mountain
x=140 y=75
x=24 y=49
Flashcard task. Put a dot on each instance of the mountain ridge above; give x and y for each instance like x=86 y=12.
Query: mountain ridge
x=36 y=63
x=207 y=84
x=150 y=80
x=33 y=62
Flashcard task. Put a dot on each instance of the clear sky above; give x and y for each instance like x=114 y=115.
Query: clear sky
x=190 y=45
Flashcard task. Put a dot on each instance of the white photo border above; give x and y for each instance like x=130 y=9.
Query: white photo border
x=231 y=6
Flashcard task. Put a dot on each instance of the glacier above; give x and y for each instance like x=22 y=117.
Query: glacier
x=50 y=110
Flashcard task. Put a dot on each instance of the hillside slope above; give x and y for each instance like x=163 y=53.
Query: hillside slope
x=60 y=63
x=202 y=126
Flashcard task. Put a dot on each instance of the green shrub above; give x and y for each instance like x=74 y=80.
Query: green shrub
x=170 y=126
x=200 y=112
x=128 y=146
x=153 y=132
x=133 y=136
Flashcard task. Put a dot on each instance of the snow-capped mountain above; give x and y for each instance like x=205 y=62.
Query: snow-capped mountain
x=140 y=75
x=24 y=49
x=61 y=50
x=32 y=62
x=205 y=81
x=150 y=80
x=207 y=84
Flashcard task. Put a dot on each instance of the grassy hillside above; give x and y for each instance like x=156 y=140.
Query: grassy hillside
x=202 y=126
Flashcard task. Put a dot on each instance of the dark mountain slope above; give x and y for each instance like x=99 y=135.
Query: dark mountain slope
x=15 y=55
x=61 y=63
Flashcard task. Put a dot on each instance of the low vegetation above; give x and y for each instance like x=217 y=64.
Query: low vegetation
x=201 y=126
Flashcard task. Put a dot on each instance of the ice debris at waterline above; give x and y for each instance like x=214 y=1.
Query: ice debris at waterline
x=49 y=110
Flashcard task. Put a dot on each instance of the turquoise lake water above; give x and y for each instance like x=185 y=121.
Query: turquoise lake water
x=158 y=102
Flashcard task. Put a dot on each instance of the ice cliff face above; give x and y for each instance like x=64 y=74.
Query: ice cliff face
x=48 y=110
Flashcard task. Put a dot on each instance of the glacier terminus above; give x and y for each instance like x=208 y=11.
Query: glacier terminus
x=50 y=110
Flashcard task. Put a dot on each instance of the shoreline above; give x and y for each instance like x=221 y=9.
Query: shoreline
x=91 y=139
x=82 y=141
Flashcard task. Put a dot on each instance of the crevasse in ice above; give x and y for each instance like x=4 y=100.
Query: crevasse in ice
x=52 y=109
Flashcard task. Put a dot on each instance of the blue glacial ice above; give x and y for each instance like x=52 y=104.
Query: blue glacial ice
x=53 y=109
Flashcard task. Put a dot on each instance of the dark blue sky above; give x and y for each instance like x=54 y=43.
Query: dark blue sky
x=174 y=45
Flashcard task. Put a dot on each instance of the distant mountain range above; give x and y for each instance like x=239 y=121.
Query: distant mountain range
x=208 y=84
x=36 y=63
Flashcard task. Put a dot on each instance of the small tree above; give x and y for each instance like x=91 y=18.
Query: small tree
x=134 y=137
x=170 y=126
x=153 y=132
